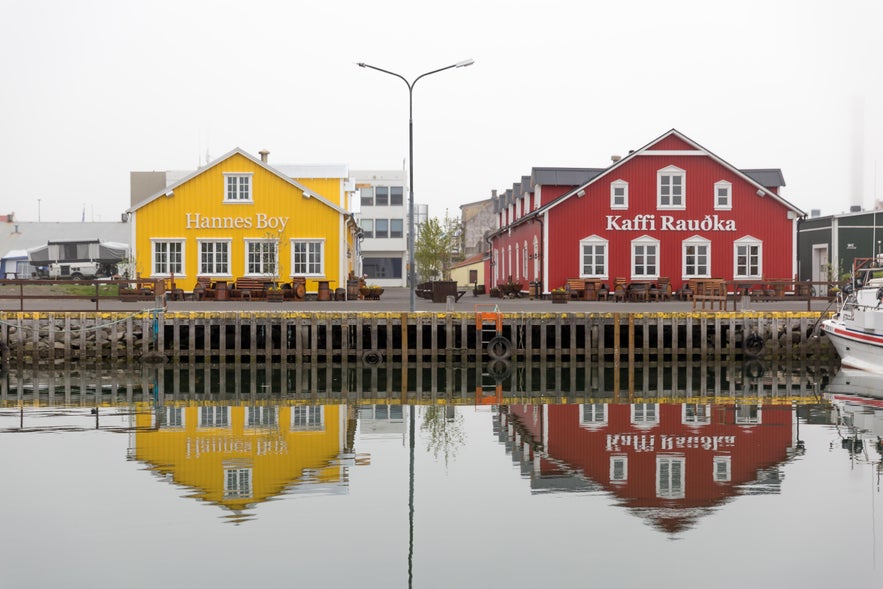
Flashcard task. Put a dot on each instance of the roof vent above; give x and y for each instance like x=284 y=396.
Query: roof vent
x=855 y=208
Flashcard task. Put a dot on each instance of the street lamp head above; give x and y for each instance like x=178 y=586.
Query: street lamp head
x=464 y=63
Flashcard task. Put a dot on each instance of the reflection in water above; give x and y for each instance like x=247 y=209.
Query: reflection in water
x=245 y=442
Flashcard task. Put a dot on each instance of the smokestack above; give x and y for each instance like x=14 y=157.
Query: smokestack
x=264 y=153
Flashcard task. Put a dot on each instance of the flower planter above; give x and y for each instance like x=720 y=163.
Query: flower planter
x=371 y=294
x=275 y=295
x=559 y=298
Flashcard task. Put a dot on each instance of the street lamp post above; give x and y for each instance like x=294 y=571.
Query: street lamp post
x=412 y=275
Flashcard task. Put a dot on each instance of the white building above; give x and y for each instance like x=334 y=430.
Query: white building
x=383 y=218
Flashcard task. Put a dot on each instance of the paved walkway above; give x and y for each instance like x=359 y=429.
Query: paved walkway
x=397 y=300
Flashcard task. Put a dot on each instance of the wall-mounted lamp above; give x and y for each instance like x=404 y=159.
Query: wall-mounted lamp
x=581 y=193
x=170 y=193
x=760 y=192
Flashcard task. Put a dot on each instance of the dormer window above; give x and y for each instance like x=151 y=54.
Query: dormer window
x=237 y=187
x=723 y=196
x=671 y=185
x=619 y=194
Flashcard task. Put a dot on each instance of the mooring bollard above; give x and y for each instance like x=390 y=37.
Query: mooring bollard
x=449 y=304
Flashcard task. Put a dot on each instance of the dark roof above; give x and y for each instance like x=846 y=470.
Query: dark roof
x=766 y=177
x=563 y=176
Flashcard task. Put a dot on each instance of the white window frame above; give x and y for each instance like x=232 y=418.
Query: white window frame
x=728 y=188
x=748 y=414
x=595 y=242
x=644 y=414
x=524 y=258
x=695 y=414
x=536 y=258
x=170 y=266
x=214 y=417
x=307 y=418
x=723 y=469
x=234 y=194
x=619 y=468
x=261 y=416
x=696 y=242
x=238 y=482
x=593 y=414
x=269 y=265
x=748 y=242
x=174 y=418
x=311 y=264
x=645 y=241
x=676 y=201
x=201 y=270
x=670 y=476
x=614 y=186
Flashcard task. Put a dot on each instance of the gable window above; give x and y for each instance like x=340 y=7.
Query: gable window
x=237 y=483
x=670 y=188
x=645 y=257
x=367 y=228
x=619 y=194
x=307 y=257
x=261 y=257
x=593 y=252
x=214 y=257
x=366 y=196
x=619 y=469
x=238 y=187
x=697 y=253
x=747 y=254
x=723 y=196
x=168 y=258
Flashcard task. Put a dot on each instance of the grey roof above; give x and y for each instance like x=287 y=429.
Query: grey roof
x=766 y=177
x=24 y=236
x=563 y=176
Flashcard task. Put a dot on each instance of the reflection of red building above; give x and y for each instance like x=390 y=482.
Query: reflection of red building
x=668 y=462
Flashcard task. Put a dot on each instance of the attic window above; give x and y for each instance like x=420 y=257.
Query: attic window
x=237 y=187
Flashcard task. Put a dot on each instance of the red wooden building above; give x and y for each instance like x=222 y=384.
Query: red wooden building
x=670 y=209
x=670 y=462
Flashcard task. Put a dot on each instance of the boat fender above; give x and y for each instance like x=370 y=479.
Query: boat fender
x=499 y=348
x=499 y=369
x=753 y=344
x=372 y=358
x=879 y=295
x=753 y=369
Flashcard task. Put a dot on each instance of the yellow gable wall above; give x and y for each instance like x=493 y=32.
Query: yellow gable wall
x=274 y=202
x=276 y=456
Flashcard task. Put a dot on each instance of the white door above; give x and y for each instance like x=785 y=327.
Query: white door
x=820 y=268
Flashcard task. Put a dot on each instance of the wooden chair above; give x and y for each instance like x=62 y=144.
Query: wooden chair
x=619 y=290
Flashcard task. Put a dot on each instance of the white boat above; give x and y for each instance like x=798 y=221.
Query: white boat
x=856 y=330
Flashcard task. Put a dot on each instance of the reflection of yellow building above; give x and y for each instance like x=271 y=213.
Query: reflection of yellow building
x=236 y=456
x=239 y=216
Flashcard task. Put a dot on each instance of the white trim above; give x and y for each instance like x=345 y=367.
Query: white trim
x=696 y=240
x=625 y=189
x=671 y=172
x=672 y=152
x=645 y=240
x=747 y=240
x=594 y=240
x=238 y=200
x=729 y=204
x=294 y=240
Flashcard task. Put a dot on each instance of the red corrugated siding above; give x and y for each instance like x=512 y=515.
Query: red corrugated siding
x=760 y=217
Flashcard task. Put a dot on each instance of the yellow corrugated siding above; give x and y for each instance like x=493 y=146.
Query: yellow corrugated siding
x=166 y=217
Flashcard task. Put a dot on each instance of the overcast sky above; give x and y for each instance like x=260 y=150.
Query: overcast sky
x=92 y=90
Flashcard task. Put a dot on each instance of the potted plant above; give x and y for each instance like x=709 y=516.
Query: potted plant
x=371 y=292
x=495 y=293
x=559 y=295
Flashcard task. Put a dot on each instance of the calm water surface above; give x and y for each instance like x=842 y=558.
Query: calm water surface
x=227 y=491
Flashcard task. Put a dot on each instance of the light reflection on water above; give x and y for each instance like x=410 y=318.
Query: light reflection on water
x=722 y=486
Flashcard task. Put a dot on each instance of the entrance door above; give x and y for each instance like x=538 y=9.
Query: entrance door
x=821 y=269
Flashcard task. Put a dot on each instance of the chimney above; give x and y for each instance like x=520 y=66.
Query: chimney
x=815 y=213
x=855 y=208
x=615 y=158
x=264 y=153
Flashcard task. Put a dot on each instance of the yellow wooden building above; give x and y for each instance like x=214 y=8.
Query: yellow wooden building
x=236 y=456
x=240 y=217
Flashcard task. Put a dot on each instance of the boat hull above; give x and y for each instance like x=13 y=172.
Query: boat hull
x=857 y=349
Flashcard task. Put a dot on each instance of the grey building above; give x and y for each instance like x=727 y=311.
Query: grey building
x=827 y=246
